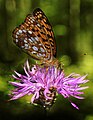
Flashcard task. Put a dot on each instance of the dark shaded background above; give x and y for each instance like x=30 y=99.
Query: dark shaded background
x=72 y=22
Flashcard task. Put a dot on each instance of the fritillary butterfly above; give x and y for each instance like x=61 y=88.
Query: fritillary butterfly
x=35 y=36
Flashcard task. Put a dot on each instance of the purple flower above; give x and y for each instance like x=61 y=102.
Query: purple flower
x=45 y=83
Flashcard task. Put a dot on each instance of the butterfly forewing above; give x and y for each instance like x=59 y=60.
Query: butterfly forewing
x=35 y=36
x=47 y=28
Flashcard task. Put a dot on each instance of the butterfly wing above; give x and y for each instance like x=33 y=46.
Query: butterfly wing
x=47 y=29
x=35 y=36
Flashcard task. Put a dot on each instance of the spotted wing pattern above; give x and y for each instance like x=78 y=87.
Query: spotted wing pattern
x=35 y=36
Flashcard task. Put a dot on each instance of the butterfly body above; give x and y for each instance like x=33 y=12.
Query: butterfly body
x=35 y=36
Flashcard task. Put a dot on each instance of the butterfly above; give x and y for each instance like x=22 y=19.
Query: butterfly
x=35 y=36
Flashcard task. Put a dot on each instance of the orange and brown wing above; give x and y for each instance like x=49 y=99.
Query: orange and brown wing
x=47 y=28
x=35 y=36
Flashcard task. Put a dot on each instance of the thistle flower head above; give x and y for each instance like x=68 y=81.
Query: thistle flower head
x=44 y=83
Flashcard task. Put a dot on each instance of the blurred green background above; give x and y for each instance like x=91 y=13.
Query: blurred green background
x=72 y=22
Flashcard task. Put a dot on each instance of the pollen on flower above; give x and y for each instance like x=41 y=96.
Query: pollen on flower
x=45 y=83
